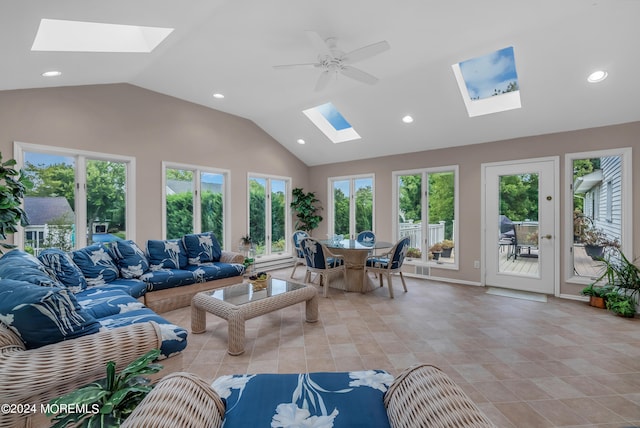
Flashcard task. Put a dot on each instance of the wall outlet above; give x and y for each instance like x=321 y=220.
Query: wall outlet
x=476 y=264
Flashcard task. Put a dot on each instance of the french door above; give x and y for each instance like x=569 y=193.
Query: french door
x=520 y=215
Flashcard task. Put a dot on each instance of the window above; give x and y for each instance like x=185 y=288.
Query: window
x=599 y=201
x=269 y=213
x=351 y=206
x=73 y=194
x=425 y=203
x=194 y=201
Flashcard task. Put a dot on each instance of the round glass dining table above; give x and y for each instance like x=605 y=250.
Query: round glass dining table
x=355 y=256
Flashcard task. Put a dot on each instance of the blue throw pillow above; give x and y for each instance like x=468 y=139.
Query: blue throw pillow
x=166 y=254
x=22 y=266
x=43 y=315
x=202 y=248
x=96 y=264
x=129 y=258
x=342 y=399
x=60 y=266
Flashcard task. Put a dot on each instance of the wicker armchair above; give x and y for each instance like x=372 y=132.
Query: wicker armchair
x=421 y=396
x=35 y=376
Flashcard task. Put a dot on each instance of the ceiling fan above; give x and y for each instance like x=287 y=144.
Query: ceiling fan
x=332 y=60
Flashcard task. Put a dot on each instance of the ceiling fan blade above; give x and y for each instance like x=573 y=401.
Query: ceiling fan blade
x=366 y=52
x=323 y=80
x=359 y=75
x=286 y=66
x=318 y=43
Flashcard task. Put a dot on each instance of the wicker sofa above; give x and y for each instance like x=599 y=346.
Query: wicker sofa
x=421 y=396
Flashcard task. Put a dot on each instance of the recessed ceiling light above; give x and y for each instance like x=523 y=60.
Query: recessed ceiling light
x=597 y=76
x=300 y=141
x=218 y=96
x=407 y=119
x=52 y=73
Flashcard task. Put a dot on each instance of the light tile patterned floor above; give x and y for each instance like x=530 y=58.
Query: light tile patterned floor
x=526 y=364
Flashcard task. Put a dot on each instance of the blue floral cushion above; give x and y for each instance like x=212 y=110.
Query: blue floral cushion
x=102 y=303
x=167 y=278
x=129 y=258
x=166 y=254
x=343 y=399
x=134 y=287
x=96 y=264
x=60 y=266
x=211 y=271
x=174 y=338
x=202 y=248
x=43 y=315
x=22 y=266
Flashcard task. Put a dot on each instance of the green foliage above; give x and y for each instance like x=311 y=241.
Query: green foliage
x=306 y=208
x=341 y=212
x=179 y=214
x=411 y=197
x=623 y=278
x=620 y=304
x=110 y=400
x=442 y=200
x=592 y=290
x=519 y=196
x=13 y=185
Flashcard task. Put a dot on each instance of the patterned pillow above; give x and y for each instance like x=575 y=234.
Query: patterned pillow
x=202 y=248
x=22 y=266
x=129 y=258
x=96 y=264
x=166 y=254
x=43 y=315
x=61 y=267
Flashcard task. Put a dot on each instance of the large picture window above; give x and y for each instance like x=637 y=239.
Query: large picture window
x=425 y=202
x=268 y=214
x=77 y=198
x=351 y=206
x=194 y=200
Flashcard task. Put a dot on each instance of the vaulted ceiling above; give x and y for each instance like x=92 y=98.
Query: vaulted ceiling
x=231 y=46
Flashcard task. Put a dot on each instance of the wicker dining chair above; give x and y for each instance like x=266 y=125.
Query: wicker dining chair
x=389 y=263
x=320 y=260
x=296 y=237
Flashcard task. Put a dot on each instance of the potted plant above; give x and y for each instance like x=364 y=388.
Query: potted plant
x=414 y=253
x=107 y=402
x=447 y=247
x=13 y=185
x=306 y=208
x=436 y=250
x=245 y=242
x=595 y=240
x=597 y=295
x=623 y=278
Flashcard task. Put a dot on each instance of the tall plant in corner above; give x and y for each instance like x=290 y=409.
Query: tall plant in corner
x=306 y=207
x=13 y=184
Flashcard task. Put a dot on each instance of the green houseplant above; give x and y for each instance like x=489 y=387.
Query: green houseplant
x=107 y=402
x=306 y=207
x=13 y=185
x=622 y=276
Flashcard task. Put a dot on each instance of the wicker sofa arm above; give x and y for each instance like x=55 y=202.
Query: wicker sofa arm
x=231 y=257
x=424 y=396
x=56 y=369
x=178 y=400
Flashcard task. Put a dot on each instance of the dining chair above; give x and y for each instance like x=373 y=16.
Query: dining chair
x=298 y=236
x=320 y=260
x=389 y=263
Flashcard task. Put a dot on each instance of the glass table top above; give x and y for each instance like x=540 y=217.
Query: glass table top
x=352 y=244
x=240 y=294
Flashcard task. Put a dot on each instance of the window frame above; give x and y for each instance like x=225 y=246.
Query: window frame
x=352 y=202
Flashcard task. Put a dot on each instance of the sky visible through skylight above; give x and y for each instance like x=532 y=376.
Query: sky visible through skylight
x=333 y=116
x=490 y=74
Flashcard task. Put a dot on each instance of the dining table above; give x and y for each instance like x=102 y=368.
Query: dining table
x=355 y=255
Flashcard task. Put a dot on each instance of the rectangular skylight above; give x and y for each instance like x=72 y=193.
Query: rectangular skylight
x=78 y=36
x=331 y=122
x=489 y=83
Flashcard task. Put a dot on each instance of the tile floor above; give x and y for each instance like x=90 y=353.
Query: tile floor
x=526 y=364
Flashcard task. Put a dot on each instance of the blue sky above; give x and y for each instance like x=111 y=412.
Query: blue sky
x=486 y=73
x=45 y=159
x=334 y=117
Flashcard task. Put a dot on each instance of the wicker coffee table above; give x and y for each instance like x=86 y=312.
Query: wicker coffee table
x=240 y=302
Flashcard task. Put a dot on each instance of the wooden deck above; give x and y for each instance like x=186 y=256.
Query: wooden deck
x=584 y=265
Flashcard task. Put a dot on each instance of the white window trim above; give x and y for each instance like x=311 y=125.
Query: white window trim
x=226 y=198
x=80 y=209
x=352 y=222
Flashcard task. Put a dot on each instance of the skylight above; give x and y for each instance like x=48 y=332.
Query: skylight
x=331 y=122
x=489 y=83
x=78 y=36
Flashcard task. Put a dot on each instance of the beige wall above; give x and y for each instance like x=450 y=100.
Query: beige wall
x=127 y=120
x=469 y=159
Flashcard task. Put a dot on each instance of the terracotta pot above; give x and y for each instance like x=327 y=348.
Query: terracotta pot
x=597 y=302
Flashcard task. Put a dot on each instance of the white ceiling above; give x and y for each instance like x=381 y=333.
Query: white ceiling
x=230 y=46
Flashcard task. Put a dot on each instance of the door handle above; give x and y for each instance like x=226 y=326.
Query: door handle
x=547 y=236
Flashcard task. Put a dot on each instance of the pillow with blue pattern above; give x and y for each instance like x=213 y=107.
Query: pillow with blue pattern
x=22 y=266
x=202 y=248
x=96 y=264
x=60 y=266
x=129 y=258
x=166 y=254
x=43 y=315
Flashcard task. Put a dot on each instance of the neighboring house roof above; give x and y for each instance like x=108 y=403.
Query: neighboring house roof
x=45 y=209
x=587 y=182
